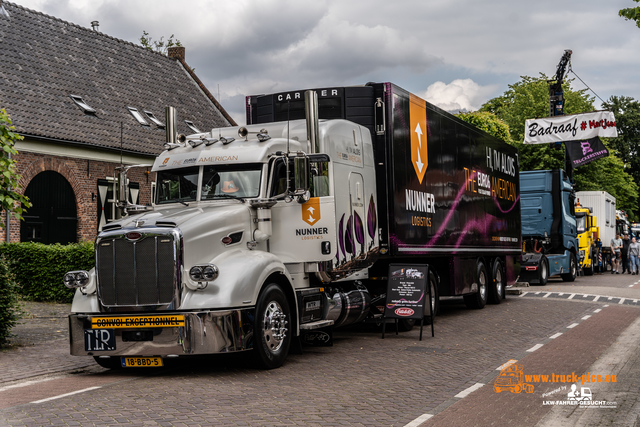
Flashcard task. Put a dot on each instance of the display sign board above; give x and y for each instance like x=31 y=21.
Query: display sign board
x=406 y=291
x=407 y=294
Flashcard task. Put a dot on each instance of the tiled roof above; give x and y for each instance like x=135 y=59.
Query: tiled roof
x=44 y=60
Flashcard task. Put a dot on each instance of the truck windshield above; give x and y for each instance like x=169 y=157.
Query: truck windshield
x=178 y=185
x=231 y=181
x=581 y=224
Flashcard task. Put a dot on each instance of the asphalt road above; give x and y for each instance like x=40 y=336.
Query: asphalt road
x=588 y=326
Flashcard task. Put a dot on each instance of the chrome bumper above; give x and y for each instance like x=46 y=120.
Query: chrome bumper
x=204 y=332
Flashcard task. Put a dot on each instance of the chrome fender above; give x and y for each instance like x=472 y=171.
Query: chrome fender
x=242 y=273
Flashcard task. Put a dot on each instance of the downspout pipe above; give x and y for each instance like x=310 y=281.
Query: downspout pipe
x=8 y=227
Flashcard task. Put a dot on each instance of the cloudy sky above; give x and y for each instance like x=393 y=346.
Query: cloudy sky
x=456 y=54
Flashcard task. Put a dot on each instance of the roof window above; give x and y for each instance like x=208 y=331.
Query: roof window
x=192 y=126
x=82 y=104
x=153 y=118
x=136 y=115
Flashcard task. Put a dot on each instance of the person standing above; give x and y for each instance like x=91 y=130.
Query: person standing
x=616 y=250
x=634 y=254
x=625 y=254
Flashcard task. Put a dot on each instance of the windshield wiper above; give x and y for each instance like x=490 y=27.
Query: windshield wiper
x=226 y=196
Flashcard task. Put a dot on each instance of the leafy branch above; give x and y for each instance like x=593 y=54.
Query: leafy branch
x=9 y=197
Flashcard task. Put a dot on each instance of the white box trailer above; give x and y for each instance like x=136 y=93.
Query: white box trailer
x=603 y=206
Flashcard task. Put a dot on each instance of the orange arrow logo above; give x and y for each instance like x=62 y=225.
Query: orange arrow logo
x=311 y=211
x=418 y=120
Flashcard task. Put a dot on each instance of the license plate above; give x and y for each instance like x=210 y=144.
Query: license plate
x=141 y=362
x=159 y=321
x=99 y=339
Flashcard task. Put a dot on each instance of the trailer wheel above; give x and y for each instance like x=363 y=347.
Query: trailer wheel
x=435 y=298
x=543 y=271
x=479 y=299
x=272 y=338
x=405 y=325
x=573 y=270
x=109 y=363
x=497 y=290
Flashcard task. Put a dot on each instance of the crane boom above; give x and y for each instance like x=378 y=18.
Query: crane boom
x=556 y=98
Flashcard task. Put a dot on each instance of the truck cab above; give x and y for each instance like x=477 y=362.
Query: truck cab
x=549 y=230
x=588 y=232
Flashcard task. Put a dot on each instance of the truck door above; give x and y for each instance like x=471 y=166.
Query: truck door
x=303 y=232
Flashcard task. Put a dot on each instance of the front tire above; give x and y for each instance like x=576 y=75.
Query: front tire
x=573 y=270
x=497 y=290
x=272 y=337
x=108 y=363
x=479 y=299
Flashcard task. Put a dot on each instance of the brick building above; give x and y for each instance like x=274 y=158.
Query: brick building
x=85 y=102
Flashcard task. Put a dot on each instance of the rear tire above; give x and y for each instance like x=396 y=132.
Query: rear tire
x=497 y=290
x=435 y=298
x=479 y=299
x=110 y=363
x=405 y=325
x=271 y=337
x=573 y=270
x=543 y=272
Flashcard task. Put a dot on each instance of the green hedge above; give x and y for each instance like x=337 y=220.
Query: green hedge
x=9 y=310
x=39 y=268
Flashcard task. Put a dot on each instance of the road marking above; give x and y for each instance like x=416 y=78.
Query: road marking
x=621 y=300
x=422 y=418
x=586 y=317
x=523 y=294
x=596 y=299
x=506 y=365
x=571 y=296
x=635 y=301
x=547 y=294
x=65 y=395
x=606 y=305
x=560 y=294
x=534 y=348
x=537 y=293
x=631 y=286
x=571 y=326
x=31 y=382
x=554 y=336
x=465 y=393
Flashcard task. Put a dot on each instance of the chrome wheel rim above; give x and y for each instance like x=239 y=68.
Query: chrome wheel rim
x=482 y=286
x=499 y=282
x=274 y=326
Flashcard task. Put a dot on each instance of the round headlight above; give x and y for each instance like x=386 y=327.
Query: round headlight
x=210 y=272
x=196 y=273
x=82 y=278
x=70 y=280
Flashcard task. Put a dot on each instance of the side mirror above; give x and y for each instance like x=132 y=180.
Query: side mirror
x=301 y=172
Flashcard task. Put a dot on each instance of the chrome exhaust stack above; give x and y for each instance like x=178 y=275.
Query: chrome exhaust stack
x=311 y=115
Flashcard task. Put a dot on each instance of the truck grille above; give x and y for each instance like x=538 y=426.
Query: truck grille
x=137 y=273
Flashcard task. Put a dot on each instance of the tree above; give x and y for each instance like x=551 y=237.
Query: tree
x=10 y=199
x=159 y=46
x=631 y=14
x=489 y=123
x=529 y=98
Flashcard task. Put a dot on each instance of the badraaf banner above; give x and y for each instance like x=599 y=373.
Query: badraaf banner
x=576 y=127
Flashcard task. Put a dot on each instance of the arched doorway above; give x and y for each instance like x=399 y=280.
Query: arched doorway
x=53 y=217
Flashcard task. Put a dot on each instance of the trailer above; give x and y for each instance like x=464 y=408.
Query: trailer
x=603 y=206
x=263 y=233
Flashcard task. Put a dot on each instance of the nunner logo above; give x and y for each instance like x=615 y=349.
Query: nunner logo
x=311 y=215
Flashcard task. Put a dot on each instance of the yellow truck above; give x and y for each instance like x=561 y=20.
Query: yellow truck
x=588 y=243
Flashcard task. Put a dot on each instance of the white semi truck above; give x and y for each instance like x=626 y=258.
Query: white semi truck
x=261 y=233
